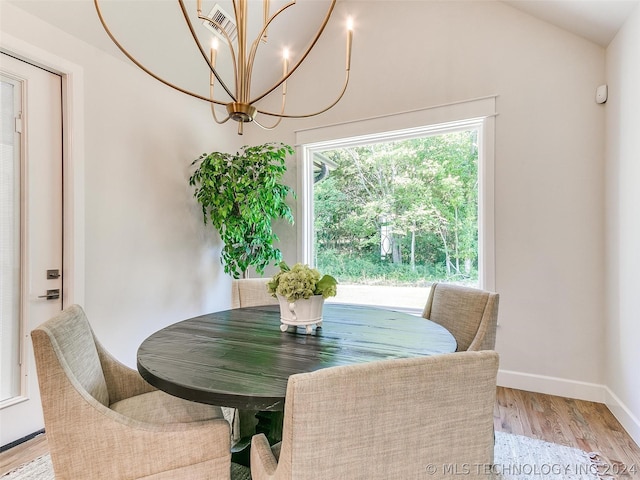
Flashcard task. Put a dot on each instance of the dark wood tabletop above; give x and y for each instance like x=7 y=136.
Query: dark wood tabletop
x=240 y=358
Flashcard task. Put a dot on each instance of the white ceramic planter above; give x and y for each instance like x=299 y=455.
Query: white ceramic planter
x=305 y=312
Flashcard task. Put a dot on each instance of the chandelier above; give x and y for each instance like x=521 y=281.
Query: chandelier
x=241 y=104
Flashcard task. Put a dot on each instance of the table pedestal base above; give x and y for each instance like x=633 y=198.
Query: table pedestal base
x=252 y=423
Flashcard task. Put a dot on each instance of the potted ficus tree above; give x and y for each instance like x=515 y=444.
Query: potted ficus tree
x=241 y=194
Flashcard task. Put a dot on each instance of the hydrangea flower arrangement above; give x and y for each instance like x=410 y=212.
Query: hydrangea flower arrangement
x=301 y=281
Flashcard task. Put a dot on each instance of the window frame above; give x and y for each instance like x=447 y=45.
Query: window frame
x=13 y=351
x=472 y=114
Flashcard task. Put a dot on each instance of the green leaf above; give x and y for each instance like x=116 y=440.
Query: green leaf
x=326 y=286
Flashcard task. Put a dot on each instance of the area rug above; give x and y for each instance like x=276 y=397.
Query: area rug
x=523 y=458
x=516 y=458
x=41 y=469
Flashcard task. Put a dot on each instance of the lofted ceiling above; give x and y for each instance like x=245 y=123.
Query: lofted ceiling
x=169 y=52
x=595 y=20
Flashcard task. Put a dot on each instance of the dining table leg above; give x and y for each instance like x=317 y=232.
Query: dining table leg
x=270 y=423
x=253 y=422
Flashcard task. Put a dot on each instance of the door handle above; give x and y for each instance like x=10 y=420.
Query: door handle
x=51 y=294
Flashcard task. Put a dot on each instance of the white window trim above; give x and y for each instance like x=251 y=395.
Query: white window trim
x=477 y=113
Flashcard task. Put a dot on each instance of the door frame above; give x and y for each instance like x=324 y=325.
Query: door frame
x=73 y=224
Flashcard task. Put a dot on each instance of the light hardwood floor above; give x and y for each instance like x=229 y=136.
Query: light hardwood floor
x=585 y=425
x=574 y=423
x=23 y=453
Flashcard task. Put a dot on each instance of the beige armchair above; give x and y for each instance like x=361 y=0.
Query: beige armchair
x=391 y=419
x=251 y=292
x=103 y=421
x=470 y=314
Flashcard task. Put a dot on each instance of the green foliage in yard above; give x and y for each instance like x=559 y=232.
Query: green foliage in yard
x=372 y=271
x=421 y=194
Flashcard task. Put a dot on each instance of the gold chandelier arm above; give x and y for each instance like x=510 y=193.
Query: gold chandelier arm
x=281 y=115
x=240 y=13
x=215 y=118
x=142 y=67
x=261 y=34
x=265 y=16
x=230 y=45
x=304 y=56
x=202 y=52
x=264 y=127
x=213 y=108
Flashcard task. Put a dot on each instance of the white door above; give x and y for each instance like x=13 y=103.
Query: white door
x=30 y=233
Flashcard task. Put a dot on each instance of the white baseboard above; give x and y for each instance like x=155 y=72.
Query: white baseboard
x=629 y=421
x=563 y=387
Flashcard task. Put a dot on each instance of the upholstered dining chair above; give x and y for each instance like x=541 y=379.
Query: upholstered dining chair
x=385 y=420
x=103 y=421
x=251 y=292
x=470 y=314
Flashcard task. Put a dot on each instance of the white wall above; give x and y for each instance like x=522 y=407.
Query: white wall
x=623 y=225
x=149 y=260
x=549 y=160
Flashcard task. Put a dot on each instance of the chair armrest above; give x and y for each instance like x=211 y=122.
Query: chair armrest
x=122 y=381
x=485 y=338
x=263 y=462
x=123 y=447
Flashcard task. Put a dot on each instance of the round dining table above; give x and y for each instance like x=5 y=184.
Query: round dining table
x=240 y=358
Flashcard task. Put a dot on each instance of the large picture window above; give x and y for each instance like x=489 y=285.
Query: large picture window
x=391 y=212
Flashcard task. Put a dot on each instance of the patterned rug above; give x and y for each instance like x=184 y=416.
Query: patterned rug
x=523 y=458
x=41 y=469
x=516 y=458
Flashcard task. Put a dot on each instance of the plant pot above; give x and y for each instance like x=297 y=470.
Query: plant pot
x=305 y=312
